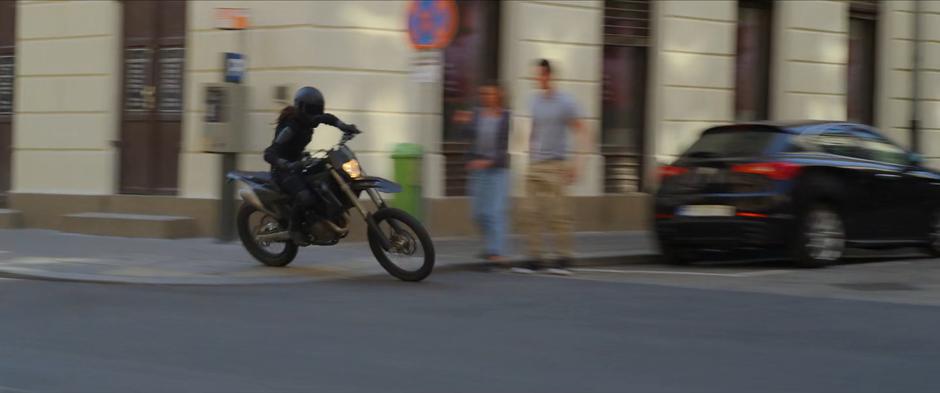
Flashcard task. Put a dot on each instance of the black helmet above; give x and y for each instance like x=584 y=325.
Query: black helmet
x=309 y=102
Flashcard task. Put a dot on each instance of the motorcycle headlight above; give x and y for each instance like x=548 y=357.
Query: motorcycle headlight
x=352 y=169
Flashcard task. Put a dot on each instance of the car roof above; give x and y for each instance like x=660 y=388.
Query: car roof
x=800 y=126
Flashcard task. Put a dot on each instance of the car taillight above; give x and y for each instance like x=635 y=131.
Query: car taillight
x=670 y=171
x=773 y=170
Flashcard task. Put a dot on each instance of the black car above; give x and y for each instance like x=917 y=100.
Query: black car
x=799 y=190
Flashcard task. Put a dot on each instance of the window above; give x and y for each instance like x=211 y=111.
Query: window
x=884 y=151
x=736 y=143
x=838 y=143
x=7 y=77
x=626 y=38
x=878 y=148
x=470 y=60
x=861 y=69
x=752 y=65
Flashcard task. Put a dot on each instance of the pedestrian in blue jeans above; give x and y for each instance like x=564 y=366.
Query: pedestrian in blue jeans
x=488 y=163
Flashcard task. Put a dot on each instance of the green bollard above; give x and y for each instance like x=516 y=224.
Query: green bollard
x=407 y=158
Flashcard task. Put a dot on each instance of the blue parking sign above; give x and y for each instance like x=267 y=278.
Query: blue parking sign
x=234 y=67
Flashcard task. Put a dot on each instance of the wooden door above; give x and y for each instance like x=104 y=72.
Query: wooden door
x=470 y=60
x=7 y=76
x=627 y=26
x=154 y=49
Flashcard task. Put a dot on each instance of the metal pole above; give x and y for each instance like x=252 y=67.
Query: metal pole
x=229 y=163
x=915 y=81
x=227 y=204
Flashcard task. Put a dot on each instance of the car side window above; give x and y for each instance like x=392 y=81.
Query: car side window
x=884 y=151
x=838 y=143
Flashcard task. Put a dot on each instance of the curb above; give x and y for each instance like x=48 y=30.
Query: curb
x=590 y=260
x=587 y=260
x=43 y=275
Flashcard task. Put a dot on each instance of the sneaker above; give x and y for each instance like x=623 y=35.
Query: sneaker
x=560 y=268
x=522 y=270
x=559 y=271
x=527 y=268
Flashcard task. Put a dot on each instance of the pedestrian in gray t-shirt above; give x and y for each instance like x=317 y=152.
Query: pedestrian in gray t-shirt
x=554 y=116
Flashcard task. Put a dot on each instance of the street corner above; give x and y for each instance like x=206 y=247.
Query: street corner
x=166 y=272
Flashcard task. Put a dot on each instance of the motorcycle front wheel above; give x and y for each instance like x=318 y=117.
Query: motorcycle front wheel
x=410 y=256
x=252 y=222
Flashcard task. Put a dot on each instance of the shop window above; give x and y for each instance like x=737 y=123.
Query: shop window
x=752 y=64
x=470 y=60
x=863 y=18
x=626 y=41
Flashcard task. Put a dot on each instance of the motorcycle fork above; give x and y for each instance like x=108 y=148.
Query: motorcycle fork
x=367 y=216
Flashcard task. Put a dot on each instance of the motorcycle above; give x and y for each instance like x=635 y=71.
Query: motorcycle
x=398 y=240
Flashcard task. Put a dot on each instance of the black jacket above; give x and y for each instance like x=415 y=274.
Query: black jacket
x=291 y=137
x=500 y=154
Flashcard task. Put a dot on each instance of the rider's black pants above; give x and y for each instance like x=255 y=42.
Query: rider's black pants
x=303 y=199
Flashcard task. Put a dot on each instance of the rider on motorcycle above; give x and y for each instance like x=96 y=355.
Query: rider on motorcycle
x=292 y=135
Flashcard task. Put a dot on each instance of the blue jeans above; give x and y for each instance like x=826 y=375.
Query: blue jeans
x=490 y=191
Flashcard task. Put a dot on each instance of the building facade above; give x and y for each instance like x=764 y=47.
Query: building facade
x=102 y=105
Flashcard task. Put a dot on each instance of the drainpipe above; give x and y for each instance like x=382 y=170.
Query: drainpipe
x=915 y=81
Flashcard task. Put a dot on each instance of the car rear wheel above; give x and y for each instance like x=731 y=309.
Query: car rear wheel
x=821 y=240
x=933 y=245
x=673 y=255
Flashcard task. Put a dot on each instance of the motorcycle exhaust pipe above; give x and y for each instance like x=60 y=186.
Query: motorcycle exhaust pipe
x=275 y=237
x=340 y=231
x=252 y=198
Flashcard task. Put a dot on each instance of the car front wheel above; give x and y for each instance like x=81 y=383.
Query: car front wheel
x=821 y=240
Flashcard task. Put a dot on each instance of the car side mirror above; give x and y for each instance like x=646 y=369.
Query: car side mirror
x=915 y=159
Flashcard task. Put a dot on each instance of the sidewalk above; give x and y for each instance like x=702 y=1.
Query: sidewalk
x=62 y=256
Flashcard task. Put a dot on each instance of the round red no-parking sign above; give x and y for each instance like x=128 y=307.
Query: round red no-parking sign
x=432 y=23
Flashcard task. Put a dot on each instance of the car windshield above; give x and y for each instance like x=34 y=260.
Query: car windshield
x=731 y=143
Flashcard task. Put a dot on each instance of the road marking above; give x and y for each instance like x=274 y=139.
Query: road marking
x=761 y=273
x=4 y=389
x=681 y=273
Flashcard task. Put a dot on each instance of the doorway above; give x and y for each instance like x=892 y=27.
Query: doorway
x=154 y=51
x=7 y=77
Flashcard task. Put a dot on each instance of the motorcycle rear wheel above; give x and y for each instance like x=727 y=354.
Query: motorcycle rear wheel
x=409 y=239
x=247 y=230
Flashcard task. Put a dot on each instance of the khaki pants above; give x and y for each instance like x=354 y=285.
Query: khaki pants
x=547 y=207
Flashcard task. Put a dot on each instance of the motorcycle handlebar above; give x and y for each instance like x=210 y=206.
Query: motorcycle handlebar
x=347 y=128
x=349 y=131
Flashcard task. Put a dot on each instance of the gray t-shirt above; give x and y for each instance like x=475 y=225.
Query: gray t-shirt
x=550 y=118
x=488 y=130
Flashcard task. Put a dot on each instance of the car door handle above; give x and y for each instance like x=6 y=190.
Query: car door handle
x=887 y=176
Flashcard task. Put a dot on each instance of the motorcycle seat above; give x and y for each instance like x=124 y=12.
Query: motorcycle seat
x=260 y=177
x=263 y=178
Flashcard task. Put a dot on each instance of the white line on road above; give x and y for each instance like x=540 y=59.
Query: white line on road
x=5 y=389
x=745 y=274
x=761 y=273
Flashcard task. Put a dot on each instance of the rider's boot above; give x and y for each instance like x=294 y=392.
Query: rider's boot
x=294 y=226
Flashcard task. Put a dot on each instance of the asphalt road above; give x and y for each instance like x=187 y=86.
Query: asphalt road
x=749 y=328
